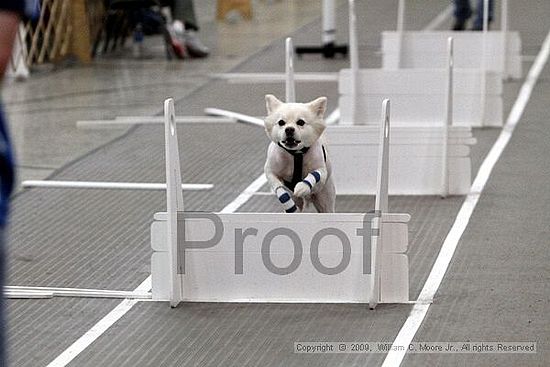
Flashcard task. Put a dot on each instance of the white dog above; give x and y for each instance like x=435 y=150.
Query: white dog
x=297 y=166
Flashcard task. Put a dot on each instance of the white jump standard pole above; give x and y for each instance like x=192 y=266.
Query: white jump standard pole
x=484 y=61
x=504 y=31
x=381 y=203
x=448 y=121
x=329 y=49
x=290 y=86
x=400 y=30
x=174 y=200
x=353 y=59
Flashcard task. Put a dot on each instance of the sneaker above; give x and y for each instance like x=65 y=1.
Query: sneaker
x=194 y=45
x=175 y=43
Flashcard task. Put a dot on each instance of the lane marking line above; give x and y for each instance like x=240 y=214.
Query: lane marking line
x=419 y=311
x=99 y=328
x=126 y=305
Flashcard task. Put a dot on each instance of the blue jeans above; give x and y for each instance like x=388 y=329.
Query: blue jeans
x=463 y=11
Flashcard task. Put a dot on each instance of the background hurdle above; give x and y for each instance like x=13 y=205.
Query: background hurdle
x=209 y=276
x=412 y=91
x=424 y=49
x=429 y=156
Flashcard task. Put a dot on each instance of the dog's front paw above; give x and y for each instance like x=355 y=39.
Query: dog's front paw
x=302 y=189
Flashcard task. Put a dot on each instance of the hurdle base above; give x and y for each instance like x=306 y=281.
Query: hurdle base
x=328 y=50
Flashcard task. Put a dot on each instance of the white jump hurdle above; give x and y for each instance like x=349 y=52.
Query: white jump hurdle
x=430 y=154
x=273 y=257
x=477 y=98
x=494 y=51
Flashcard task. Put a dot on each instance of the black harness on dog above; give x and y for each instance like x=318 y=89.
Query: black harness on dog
x=297 y=171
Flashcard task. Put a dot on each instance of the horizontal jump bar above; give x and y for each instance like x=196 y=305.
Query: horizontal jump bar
x=238 y=116
x=49 y=292
x=110 y=185
x=276 y=77
x=142 y=120
x=334 y=117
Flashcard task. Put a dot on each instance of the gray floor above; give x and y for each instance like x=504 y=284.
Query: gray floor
x=496 y=288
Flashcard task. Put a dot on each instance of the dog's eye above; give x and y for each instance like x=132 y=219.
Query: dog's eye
x=281 y=123
x=300 y=122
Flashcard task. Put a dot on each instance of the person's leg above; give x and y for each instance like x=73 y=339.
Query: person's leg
x=478 y=22
x=462 y=12
x=185 y=27
x=184 y=10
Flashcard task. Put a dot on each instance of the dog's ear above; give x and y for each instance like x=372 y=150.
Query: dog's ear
x=318 y=106
x=271 y=103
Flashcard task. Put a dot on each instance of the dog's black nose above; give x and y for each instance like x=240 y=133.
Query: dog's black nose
x=289 y=130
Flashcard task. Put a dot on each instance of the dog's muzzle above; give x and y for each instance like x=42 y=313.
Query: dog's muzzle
x=290 y=141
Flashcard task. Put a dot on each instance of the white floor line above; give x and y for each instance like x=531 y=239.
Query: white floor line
x=127 y=304
x=99 y=328
x=419 y=311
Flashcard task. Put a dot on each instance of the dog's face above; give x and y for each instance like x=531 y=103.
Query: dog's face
x=294 y=125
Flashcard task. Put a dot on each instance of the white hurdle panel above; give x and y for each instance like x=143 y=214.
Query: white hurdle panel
x=417 y=156
x=277 y=257
x=494 y=51
x=426 y=49
x=418 y=97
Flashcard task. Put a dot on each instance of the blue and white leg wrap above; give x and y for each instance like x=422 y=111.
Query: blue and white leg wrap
x=286 y=200
x=312 y=179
